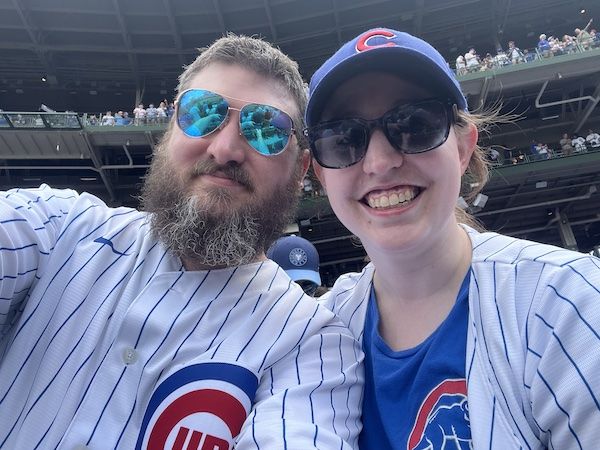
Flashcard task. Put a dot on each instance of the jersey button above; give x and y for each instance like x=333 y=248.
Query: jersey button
x=130 y=356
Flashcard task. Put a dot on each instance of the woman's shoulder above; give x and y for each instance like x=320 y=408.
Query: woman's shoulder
x=502 y=249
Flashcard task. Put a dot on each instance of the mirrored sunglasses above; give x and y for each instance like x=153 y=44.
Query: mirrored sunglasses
x=267 y=129
x=410 y=128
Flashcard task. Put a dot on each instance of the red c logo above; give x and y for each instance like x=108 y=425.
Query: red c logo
x=363 y=42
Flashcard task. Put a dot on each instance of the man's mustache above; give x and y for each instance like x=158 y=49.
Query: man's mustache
x=232 y=171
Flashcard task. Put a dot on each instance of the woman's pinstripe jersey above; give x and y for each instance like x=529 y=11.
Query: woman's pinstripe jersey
x=107 y=342
x=533 y=343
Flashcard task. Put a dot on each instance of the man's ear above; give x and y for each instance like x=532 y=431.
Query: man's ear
x=467 y=140
x=305 y=162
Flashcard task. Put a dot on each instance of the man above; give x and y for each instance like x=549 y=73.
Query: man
x=593 y=139
x=169 y=328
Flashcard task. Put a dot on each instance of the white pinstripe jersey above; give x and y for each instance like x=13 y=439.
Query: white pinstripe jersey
x=533 y=344
x=107 y=342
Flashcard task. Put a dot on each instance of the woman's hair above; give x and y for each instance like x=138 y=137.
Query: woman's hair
x=477 y=173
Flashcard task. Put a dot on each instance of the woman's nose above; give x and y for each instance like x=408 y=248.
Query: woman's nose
x=381 y=155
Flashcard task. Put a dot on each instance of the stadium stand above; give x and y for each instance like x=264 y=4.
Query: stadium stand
x=94 y=60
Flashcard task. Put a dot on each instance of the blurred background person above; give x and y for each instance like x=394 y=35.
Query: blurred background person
x=300 y=260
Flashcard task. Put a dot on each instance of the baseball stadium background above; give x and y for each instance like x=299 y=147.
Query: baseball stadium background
x=65 y=63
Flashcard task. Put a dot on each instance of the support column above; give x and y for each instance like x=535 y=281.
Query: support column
x=566 y=232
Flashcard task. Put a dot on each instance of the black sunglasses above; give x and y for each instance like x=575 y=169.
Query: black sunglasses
x=267 y=129
x=309 y=287
x=410 y=128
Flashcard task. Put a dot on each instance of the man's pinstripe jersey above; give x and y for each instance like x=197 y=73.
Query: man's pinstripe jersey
x=533 y=343
x=107 y=342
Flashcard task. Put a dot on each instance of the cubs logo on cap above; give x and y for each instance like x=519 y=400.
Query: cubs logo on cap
x=386 y=50
x=200 y=407
x=298 y=257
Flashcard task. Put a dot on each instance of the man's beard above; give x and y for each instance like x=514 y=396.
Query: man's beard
x=206 y=230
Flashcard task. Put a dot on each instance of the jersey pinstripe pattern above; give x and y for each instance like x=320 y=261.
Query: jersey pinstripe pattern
x=98 y=321
x=533 y=344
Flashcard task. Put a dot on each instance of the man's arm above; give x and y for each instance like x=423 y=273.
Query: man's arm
x=311 y=398
x=31 y=220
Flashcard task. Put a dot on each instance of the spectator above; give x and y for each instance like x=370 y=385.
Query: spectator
x=162 y=112
x=578 y=143
x=151 y=114
x=93 y=120
x=494 y=156
x=514 y=53
x=126 y=118
x=139 y=115
x=300 y=260
x=566 y=145
x=529 y=56
x=307 y=187
x=119 y=119
x=120 y=326
x=472 y=60
x=593 y=139
x=583 y=37
x=487 y=63
x=539 y=151
x=170 y=110
x=501 y=59
x=555 y=46
x=461 y=66
x=108 y=119
x=524 y=345
x=544 y=46
x=595 y=38
x=568 y=44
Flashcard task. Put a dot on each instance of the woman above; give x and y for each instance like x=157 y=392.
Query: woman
x=472 y=340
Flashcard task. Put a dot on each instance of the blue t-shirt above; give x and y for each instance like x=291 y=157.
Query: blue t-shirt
x=417 y=398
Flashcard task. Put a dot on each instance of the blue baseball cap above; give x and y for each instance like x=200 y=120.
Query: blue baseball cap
x=386 y=50
x=298 y=257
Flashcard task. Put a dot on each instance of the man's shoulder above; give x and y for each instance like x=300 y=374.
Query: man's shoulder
x=349 y=298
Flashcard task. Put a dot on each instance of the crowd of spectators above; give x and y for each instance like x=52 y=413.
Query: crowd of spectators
x=568 y=145
x=582 y=40
x=152 y=115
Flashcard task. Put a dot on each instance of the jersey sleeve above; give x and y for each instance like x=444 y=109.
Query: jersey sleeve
x=563 y=356
x=311 y=398
x=30 y=223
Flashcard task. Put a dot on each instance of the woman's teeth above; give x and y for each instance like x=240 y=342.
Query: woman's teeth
x=391 y=199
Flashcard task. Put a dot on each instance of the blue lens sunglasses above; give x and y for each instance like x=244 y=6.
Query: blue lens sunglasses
x=267 y=129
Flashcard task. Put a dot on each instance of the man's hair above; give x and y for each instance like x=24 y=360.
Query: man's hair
x=261 y=57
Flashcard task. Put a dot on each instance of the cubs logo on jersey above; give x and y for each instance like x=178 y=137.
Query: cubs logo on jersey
x=442 y=422
x=199 y=407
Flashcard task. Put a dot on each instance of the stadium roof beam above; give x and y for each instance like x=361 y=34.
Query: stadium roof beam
x=336 y=18
x=270 y=20
x=418 y=20
x=588 y=109
x=36 y=39
x=220 y=17
x=174 y=33
x=127 y=40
